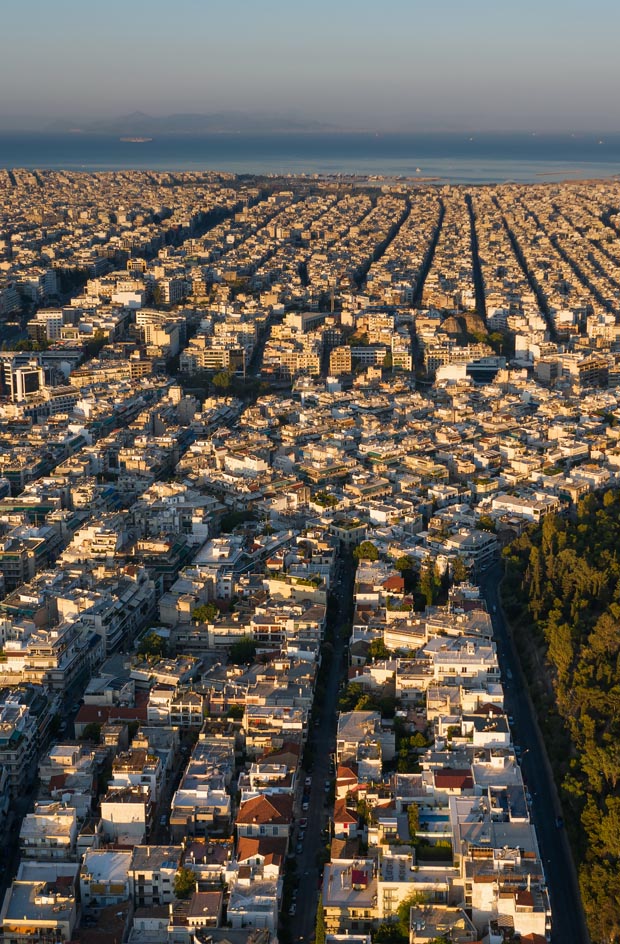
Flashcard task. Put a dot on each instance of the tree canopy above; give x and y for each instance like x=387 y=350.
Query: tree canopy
x=243 y=651
x=205 y=613
x=366 y=551
x=561 y=594
x=184 y=883
x=152 y=644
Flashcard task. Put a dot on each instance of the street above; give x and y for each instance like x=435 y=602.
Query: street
x=568 y=921
x=322 y=740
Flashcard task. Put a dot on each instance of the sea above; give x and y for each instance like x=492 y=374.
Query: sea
x=446 y=158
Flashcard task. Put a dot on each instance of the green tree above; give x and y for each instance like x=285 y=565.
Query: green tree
x=184 y=883
x=404 y=910
x=243 y=651
x=234 y=518
x=378 y=650
x=205 y=613
x=430 y=582
x=319 y=931
x=389 y=934
x=152 y=645
x=366 y=551
x=93 y=347
x=404 y=563
x=459 y=570
x=413 y=818
x=236 y=712
x=222 y=380
x=92 y=732
x=29 y=344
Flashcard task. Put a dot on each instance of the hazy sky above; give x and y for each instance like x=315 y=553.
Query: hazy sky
x=442 y=64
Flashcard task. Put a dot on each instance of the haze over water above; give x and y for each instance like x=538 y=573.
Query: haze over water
x=452 y=158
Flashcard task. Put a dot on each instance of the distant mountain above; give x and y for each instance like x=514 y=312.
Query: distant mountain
x=139 y=123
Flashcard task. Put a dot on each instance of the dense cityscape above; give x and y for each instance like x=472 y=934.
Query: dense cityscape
x=266 y=444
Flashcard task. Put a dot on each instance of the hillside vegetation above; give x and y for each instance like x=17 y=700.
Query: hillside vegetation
x=562 y=598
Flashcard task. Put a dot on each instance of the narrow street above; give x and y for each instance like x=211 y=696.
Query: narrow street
x=568 y=921
x=322 y=740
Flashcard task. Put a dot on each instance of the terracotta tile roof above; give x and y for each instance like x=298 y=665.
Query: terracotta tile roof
x=452 y=779
x=347 y=773
x=99 y=714
x=395 y=584
x=268 y=808
x=342 y=814
x=272 y=849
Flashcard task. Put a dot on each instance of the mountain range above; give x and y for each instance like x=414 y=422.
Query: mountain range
x=139 y=123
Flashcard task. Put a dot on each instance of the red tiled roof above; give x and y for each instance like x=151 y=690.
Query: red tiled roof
x=271 y=848
x=99 y=714
x=347 y=772
x=452 y=779
x=57 y=782
x=267 y=808
x=342 y=814
x=394 y=583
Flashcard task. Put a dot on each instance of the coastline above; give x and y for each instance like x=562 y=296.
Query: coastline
x=437 y=159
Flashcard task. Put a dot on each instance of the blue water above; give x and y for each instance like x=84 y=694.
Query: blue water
x=453 y=158
x=434 y=818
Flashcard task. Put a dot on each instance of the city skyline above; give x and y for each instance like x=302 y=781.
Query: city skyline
x=350 y=66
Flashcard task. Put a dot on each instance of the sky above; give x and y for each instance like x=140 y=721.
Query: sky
x=549 y=65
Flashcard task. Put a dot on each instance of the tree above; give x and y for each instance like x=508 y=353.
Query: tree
x=205 y=613
x=366 y=551
x=404 y=910
x=429 y=583
x=404 y=563
x=184 y=883
x=418 y=740
x=413 y=817
x=459 y=570
x=29 y=344
x=389 y=934
x=319 y=932
x=152 y=644
x=233 y=518
x=92 y=348
x=243 y=651
x=378 y=650
x=222 y=380
x=236 y=712
x=92 y=732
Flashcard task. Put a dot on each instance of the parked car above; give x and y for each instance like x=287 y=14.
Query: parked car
x=303 y=822
x=292 y=909
x=305 y=806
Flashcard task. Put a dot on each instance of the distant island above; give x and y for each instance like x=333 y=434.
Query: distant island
x=138 y=125
x=135 y=140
